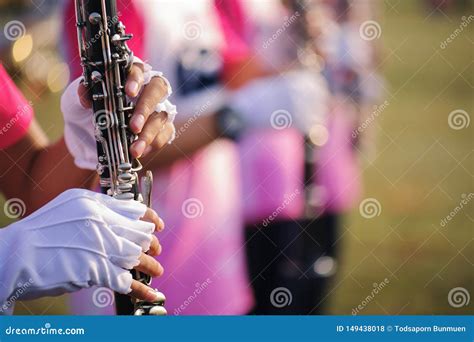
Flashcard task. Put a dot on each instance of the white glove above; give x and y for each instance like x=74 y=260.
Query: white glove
x=78 y=240
x=79 y=121
x=297 y=98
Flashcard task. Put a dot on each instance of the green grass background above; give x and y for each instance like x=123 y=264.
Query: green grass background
x=421 y=169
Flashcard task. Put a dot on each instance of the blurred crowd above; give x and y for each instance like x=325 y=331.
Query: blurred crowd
x=269 y=96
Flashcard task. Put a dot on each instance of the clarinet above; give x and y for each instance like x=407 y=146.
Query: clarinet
x=106 y=60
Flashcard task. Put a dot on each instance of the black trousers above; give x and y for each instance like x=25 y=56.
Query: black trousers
x=291 y=264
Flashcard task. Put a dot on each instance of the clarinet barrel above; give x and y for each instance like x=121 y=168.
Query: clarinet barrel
x=106 y=60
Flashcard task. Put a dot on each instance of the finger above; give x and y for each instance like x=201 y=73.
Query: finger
x=155 y=247
x=135 y=80
x=163 y=137
x=150 y=266
x=84 y=96
x=129 y=234
x=152 y=216
x=142 y=292
x=153 y=93
x=151 y=130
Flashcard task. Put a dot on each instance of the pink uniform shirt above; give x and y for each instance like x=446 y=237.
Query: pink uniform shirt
x=15 y=112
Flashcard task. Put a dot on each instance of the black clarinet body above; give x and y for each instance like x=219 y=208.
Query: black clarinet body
x=106 y=60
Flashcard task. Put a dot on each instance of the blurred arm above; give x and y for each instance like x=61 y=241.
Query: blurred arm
x=193 y=137
x=37 y=172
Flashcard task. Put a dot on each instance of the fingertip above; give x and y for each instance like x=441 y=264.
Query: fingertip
x=132 y=88
x=155 y=296
x=147 y=150
x=159 y=270
x=137 y=148
x=161 y=224
x=137 y=122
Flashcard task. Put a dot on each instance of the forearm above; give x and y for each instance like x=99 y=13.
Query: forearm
x=52 y=172
x=36 y=172
x=191 y=137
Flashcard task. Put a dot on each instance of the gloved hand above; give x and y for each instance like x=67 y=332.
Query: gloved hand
x=294 y=99
x=78 y=240
x=152 y=119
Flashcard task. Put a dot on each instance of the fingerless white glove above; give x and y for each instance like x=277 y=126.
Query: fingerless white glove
x=297 y=98
x=78 y=240
x=79 y=121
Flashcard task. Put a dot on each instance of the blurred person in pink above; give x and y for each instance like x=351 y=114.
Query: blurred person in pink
x=296 y=244
x=227 y=87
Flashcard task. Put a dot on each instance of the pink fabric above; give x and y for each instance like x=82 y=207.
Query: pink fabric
x=235 y=29
x=272 y=174
x=16 y=113
x=273 y=168
x=203 y=256
x=338 y=171
x=199 y=200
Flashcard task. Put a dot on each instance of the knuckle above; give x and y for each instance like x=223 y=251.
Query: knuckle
x=162 y=84
x=147 y=136
x=139 y=77
x=146 y=107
